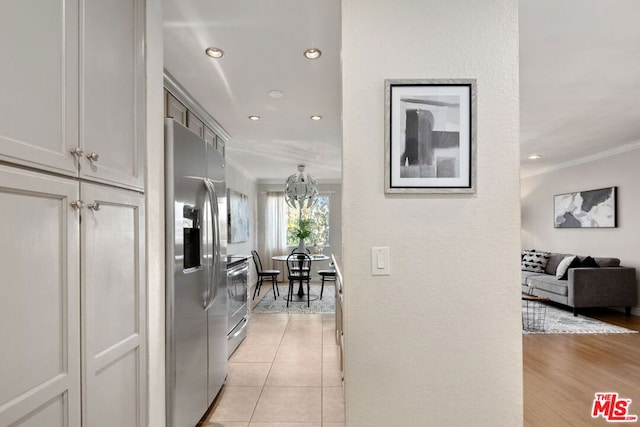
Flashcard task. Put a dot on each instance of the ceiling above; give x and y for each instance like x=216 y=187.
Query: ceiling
x=264 y=41
x=579 y=79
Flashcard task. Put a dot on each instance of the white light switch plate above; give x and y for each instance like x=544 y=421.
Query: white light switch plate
x=380 y=261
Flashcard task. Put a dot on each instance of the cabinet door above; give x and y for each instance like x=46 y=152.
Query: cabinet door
x=39 y=84
x=195 y=124
x=112 y=92
x=210 y=137
x=40 y=303
x=175 y=109
x=113 y=308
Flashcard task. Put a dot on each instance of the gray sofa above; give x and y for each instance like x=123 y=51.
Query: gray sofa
x=609 y=285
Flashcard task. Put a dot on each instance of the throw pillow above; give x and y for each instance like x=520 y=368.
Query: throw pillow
x=571 y=261
x=589 y=262
x=534 y=261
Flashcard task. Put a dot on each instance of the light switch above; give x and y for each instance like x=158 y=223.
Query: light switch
x=380 y=261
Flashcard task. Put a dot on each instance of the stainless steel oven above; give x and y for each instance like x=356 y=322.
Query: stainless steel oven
x=237 y=272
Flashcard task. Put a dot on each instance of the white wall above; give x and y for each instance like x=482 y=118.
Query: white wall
x=439 y=341
x=537 y=210
x=239 y=180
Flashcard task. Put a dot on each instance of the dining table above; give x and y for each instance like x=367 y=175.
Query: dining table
x=300 y=295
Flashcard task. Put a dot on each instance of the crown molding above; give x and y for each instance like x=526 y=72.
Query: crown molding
x=582 y=160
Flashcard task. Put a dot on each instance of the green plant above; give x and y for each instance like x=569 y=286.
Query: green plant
x=303 y=230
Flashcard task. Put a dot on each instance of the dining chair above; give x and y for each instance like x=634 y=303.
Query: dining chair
x=273 y=274
x=308 y=267
x=298 y=268
x=328 y=275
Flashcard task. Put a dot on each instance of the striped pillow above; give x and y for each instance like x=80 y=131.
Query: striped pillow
x=535 y=261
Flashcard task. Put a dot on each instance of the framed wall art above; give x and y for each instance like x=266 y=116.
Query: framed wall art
x=238 y=217
x=585 y=209
x=430 y=136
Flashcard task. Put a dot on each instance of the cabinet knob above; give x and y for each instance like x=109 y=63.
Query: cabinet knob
x=77 y=204
x=95 y=206
x=78 y=152
x=93 y=156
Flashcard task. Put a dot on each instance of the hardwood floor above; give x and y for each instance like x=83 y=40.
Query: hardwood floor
x=562 y=373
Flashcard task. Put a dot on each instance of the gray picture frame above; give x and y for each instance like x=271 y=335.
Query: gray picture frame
x=430 y=136
x=586 y=209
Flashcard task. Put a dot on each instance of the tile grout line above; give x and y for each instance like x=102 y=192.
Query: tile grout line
x=270 y=368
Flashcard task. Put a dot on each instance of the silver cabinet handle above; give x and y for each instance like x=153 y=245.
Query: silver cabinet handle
x=93 y=156
x=95 y=206
x=77 y=204
x=78 y=152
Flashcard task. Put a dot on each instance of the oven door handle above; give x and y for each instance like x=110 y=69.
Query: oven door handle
x=237 y=271
x=244 y=323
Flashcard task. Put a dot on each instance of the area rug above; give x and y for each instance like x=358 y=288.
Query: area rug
x=326 y=305
x=559 y=321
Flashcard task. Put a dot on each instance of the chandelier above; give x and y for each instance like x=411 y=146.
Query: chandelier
x=300 y=188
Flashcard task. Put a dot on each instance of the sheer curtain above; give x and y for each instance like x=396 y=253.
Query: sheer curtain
x=275 y=228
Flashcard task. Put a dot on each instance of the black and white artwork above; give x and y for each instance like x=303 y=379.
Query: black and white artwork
x=430 y=136
x=238 y=223
x=585 y=209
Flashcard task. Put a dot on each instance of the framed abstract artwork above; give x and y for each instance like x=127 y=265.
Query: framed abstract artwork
x=238 y=217
x=430 y=136
x=586 y=209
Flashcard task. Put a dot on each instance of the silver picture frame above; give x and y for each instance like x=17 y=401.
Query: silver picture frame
x=430 y=136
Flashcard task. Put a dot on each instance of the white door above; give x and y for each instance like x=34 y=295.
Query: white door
x=113 y=307
x=39 y=84
x=40 y=303
x=112 y=92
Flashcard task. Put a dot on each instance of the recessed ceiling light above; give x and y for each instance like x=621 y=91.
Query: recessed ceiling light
x=316 y=118
x=254 y=118
x=276 y=94
x=534 y=157
x=312 y=53
x=214 y=52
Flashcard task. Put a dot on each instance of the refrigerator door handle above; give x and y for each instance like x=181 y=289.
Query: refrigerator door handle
x=215 y=259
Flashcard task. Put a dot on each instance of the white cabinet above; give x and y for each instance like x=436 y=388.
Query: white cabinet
x=112 y=92
x=210 y=137
x=75 y=104
x=195 y=124
x=113 y=307
x=72 y=310
x=39 y=84
x=175 y=109
x=72 y=261
x=40 y=303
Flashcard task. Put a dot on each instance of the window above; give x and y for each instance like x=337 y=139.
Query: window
x=319 y=214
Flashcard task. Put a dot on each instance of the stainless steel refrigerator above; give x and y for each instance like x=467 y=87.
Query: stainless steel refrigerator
x=196 y=297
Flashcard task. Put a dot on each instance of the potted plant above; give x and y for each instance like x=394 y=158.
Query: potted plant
x=302 y=232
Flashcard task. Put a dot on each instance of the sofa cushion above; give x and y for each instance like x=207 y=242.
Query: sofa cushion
x=534 y=261
x=589 y=262
x=608 y=262
x=549 y=284
x=570 y=261
x=527 y=274
x=552 y=263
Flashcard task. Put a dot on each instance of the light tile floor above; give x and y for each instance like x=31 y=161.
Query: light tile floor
x=285 y=374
